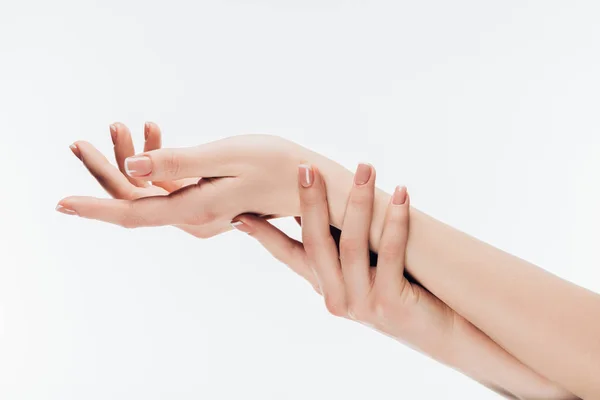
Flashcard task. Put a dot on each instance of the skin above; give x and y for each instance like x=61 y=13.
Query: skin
x=256 y=174
x=381 y=297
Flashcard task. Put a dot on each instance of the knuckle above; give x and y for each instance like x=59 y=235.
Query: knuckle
x=390 y=251
x=312 y=241
x=350 y=247
x=359 y=310
x=361 y=200
x=335 y=305
x=316 y=288
x=312 y=199
x=398 y=218
x=171 y=164
x=390 y=305
x=131 y=218
x=384 y=306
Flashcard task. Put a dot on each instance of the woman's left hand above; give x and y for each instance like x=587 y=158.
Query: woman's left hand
x=382 y=298
x=379 y=297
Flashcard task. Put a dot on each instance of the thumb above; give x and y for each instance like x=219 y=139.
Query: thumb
x=207 y=161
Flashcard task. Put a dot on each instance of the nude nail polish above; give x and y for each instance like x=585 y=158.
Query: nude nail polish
x=240 y=226
x=138 y=166
x=146 y=130
x=113 y=133
x=363 y=174
x=305 y=175
x=399 y=196
x=62 y=209
x=75 y=150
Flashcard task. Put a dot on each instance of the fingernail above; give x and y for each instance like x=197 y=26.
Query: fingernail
x=75 y=150
x=65 y=210
x=113 y=133
x=399 y=196
x=240 y=226
x=363 y=174
x=146 y=130
x=305 y=175
x=138 y=166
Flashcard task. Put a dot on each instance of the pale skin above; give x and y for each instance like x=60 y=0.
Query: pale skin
x=535 y=330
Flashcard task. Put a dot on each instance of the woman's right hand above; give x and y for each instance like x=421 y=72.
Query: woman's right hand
x=242 y=174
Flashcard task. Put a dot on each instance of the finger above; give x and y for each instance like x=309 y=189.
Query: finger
x=109 y=177
x=123 y=147
x=281 y=246
x=214 y=159
x=354 y=239
x=392 y=247
x=152 y=137
x=194 y=205
x=153 y=141
x=319 y=245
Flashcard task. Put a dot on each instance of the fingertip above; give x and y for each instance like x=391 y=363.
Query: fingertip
x=113 y=133
x=138 y=166
x=147 y=127
x=68 y=200
x=243 y=223
x=118 y=128
x=400 y=196
x=75 y=150
x=80 y=143
x=152 y=136
x=363 y=174
x=68 y=203
x=249 y=223
x=65 y=210
x=241 y=226
x=306 y=175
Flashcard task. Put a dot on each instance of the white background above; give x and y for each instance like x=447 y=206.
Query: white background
x=488 y=111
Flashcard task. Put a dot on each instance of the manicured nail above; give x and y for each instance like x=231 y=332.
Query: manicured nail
x=113 y=133
x=65 y=210
x=138 y=166
x=305 y=175
x=240 y=226
x=399 y=196
x=146 y=130
x=75 y=150
x=363 y=174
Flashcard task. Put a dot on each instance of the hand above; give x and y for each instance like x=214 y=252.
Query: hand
x=243 y=174
x=116 y=181
x=381 y=297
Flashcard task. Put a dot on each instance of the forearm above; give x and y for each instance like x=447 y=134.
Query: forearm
x=544 y=321
x=432 y=328
x=473 y=353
